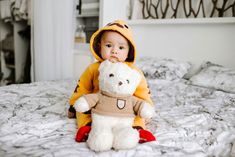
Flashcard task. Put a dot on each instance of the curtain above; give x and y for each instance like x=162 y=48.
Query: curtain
x=53 y=38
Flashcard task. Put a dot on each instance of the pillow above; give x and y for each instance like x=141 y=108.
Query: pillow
x=167 y=69
x=215 y=76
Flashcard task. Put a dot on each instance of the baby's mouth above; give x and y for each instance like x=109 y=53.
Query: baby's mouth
x=114 y=59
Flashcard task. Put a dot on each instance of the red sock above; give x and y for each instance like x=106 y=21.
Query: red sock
x=83 y=133
x=146 y=136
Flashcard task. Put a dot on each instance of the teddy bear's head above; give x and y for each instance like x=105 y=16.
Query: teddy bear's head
x=118 y=78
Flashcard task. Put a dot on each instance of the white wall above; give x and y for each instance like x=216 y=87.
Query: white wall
x=188 y=41
x=111 y=10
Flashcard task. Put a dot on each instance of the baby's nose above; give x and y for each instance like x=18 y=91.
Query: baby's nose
x=114 y=50
x=120 y=83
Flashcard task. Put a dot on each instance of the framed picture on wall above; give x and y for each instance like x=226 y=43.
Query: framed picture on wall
x=167 y=9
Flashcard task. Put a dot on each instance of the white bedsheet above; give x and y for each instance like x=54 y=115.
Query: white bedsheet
x=189 y=121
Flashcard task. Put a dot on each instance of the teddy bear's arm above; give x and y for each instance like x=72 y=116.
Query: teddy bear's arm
x=147 y=111
x=86 y=102
x=142 y=108
x=81 y=105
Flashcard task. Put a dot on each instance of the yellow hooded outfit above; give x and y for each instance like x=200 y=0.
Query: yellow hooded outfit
x=88 y=82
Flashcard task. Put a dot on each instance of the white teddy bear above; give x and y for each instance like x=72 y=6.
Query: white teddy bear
x=114 y=108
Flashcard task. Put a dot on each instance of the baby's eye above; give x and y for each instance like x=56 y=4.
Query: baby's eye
x=128 y=81
x=111 y=75
x=108 y=45
x=121 y=47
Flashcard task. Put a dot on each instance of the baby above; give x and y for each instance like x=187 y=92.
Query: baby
x=115 y=43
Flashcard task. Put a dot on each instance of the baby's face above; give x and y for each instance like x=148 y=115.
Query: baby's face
x=114 y=47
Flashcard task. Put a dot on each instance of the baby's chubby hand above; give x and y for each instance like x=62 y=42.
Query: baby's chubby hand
x=147 y=111
x=81 y=105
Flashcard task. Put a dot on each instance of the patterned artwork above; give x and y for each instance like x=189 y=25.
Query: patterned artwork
x=165 y=9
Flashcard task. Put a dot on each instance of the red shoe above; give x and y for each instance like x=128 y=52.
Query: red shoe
x=83 y=133
x=146 y=136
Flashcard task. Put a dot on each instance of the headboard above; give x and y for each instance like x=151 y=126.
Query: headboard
x=195 y=40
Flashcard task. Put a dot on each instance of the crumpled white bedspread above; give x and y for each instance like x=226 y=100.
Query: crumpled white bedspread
x=189 y=121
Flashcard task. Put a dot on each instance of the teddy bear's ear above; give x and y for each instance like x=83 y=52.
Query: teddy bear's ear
x=104 y=64
x=136 y=75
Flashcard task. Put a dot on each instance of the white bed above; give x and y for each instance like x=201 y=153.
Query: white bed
x=190 y=120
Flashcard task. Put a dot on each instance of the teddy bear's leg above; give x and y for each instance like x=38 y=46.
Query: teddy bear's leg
x=101 y=136
x=125 y=137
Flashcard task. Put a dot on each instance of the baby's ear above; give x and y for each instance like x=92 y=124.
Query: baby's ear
x=104 y=64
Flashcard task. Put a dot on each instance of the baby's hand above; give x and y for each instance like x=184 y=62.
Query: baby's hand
x=71 y=112
x=81 y=105
x=147 y=111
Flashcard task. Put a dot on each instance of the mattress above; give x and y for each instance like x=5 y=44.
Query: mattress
x=189 y=121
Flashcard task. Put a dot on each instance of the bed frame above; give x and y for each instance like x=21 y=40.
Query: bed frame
x=195 y=40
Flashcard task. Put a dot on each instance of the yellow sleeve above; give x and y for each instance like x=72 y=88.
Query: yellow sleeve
x=84 y=85
x=142 y=91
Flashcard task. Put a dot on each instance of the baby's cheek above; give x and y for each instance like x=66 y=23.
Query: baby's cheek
x=105 y=56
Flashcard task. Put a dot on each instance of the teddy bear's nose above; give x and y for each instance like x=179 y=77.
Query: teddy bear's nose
x=120 y=83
